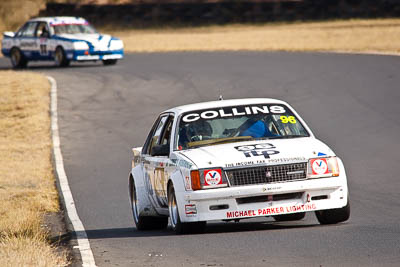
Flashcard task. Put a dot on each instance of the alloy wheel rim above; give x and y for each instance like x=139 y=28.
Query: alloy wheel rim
x=134 y=205
x=173 y=210
x=15 y=58
x=58 y=56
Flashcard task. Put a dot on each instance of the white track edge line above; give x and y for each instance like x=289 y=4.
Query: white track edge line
x=83 y=241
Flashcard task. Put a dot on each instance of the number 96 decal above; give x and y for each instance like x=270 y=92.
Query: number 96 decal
x=286 y=119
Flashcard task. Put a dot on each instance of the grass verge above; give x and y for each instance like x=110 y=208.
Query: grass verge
x=359 y=35
x=27 y=189
x=13 y=13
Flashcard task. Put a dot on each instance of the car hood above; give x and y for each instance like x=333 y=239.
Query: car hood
x=98 y=41
x=272 y=152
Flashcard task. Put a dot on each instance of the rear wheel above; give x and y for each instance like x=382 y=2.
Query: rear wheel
x=60 y=58
x=290 y=217
x=18 y=60
x=178 y=226
x=109 y=62
x=333 y=216
x=145 y=222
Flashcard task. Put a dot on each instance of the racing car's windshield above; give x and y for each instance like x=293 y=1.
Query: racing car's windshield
x=73 y=29
x=235 y=124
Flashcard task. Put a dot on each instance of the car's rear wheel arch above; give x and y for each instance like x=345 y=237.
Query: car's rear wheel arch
x=133 y=199
x=143 y=218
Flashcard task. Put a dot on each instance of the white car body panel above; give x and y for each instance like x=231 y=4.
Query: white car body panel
x=227 y=156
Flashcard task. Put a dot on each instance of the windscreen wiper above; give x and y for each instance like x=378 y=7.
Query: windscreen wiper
x=234 y=139
x=286 y=136
x=219 y=141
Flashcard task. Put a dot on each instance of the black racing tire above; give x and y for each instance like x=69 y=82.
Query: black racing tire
x=145 y=222
x=334 y=216
x=60 y=57
x=289 y=217
x=109 y=62
x=177 y=226
x=18 y=60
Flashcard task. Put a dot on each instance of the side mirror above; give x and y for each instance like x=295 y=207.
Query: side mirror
x=9 y=34
x=160 y=150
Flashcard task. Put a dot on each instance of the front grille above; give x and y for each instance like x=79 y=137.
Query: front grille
x=267 y=174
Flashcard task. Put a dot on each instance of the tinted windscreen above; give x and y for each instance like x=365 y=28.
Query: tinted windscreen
x=239 y=123
x=73 y=28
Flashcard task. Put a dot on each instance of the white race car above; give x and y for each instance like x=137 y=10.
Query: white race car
x=234 y=159
x=62 y=39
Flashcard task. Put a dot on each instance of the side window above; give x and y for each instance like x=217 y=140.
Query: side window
x=166 y=137
x=157 y=134
x=154 y=135
x=21 y=30
x=28 y=30
x=42 y=30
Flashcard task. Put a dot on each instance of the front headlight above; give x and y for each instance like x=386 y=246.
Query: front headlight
x=81 y=45
x=116 y=45
x=208 y=178
x=323 y=167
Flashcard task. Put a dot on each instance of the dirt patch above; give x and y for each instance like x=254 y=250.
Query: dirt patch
x=54 y=224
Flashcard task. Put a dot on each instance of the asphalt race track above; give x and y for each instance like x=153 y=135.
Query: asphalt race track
x=350 y=101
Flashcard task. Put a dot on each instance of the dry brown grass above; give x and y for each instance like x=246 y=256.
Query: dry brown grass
x=27 y=189
x=375 y=35
x=17 y=251
x=13 y=13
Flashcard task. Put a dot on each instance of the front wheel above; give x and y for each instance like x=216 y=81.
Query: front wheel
x=109 y=62
x=18 y=60
x=177 y=226
x=144 y=222
x=60 y=58
x=333 y=216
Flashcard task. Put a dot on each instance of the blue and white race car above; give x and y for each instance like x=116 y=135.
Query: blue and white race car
x=62 y=39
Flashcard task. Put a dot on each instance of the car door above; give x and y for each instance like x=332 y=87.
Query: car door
x=42 y=35
x=26 y=40
x=162 y=163
x=151 y=161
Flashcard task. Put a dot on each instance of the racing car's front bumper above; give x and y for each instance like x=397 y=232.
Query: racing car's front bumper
x=263 y=200
x=92 y=55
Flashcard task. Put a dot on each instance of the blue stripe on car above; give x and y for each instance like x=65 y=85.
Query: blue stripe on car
x=112 y=39
x=56 y=37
